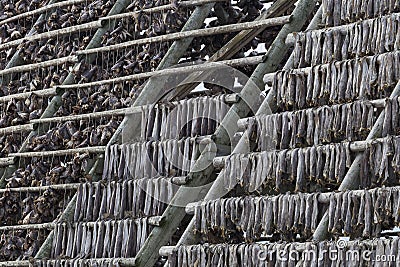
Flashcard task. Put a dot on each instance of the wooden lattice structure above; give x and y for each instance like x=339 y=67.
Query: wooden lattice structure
x=104 y=163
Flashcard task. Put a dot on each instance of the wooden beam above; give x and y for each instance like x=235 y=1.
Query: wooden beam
x=40 y=188
x=90 y=150
x=152 y=10
x=44 y=64
x=54 y=33
x=191 y=34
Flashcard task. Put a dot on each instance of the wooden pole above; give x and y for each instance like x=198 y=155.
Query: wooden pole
x=218 y=189
x=40 y=188
x=89 y=150
x=41 y=93
x=16 y=129
x=170 y=71
x=191 y=34
x=78 y=262
x=203 y=172
x=153 y=10
x=44 y=64
x=352 y=179
x=55 y=33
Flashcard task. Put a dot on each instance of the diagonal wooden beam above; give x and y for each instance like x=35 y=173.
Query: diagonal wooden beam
x=201 y=175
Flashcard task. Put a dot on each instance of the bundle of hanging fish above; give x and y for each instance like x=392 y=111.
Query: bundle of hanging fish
x=133 y=199
x=323 y=125
x=337 y=82
x=189 y=118
x=150 y=159
x=380 y=164
x=338 y=12
x=352 y=213
x=299 y=169
x=255 y=217
x=365 y=213
x=364 y=38
x=321 y=254
x=104 y=239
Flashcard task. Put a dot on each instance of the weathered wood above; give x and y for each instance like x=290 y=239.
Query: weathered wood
x=41 y=93
x=55 y=33
x=191 y=34
x=44 y=64
x=352 y=178
x=16 y=129
x=152 y=10
x=203 y=172
x=170 y=71
x=244 y=146
x=41 y=10
x=229 y=99
x=40 y=188
x=90 y=150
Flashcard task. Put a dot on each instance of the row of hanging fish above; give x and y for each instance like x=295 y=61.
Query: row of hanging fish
x=150 y=159
x=133 y=199
x=350 y=213
x=338 y=12
x=305 y=169
x=104 y=239
x=338 y=82
x=363 y=38
x=322 y=254
x=323 y=125
x=189 y=118
x=255 y=217
x=76 y=263
x=364 y=214
x=298 y=169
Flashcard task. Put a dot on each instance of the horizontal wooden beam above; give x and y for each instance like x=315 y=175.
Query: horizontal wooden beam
x=42 y=93
x=16 y=129
x=90 y=150
x=56 y=33
x=79 y=262
x=182 y=4
x=190 y=34
x=170 y=71
x=44 y=64
x=35 y=189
